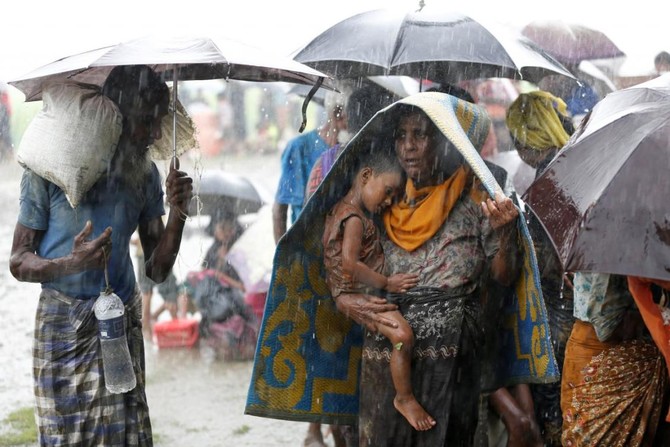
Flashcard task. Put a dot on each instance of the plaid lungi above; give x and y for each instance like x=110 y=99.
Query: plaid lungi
x=73 y=407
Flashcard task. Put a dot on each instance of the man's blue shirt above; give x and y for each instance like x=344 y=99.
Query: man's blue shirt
x=296 y=163
x=43 y=206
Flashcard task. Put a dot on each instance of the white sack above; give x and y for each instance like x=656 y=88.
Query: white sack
x=71 y=141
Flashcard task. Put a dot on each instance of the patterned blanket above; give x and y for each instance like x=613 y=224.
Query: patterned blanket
x=308 y=355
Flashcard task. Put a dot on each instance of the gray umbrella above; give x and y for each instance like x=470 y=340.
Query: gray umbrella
x=219 y=193
x=441 y=45
x=177 y=58
x=603 y=199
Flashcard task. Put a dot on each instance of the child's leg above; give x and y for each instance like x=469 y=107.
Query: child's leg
x=402 y=341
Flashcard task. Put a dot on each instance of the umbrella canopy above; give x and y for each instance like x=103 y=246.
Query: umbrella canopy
x=196 y=58
x=571 y=43
x=441 y=45
x=224 y=192
x=603 y=199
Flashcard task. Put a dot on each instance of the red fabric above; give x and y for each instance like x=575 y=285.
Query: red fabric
x=640 y=288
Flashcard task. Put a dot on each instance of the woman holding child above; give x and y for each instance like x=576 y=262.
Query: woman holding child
x=443 y=229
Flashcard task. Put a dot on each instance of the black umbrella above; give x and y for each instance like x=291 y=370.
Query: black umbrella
x=219 y=193
x=444 y=46
x=603 y=200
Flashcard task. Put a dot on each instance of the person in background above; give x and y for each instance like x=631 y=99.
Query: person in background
x=662 y=62
x=540 y=126
x=168 y=290
x=362 y=104
x=614 y=388
x=5 y=114
x=74 y=253
x=225 y=229
x=298 y=158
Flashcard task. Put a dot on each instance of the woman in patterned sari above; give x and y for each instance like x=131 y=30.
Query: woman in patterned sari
x=614 y=390
x=445 y=230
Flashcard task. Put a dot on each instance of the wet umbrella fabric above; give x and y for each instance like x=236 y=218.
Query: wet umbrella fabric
x=179 y=59
x=440 y=45
x=571 y=43
x=220 y=192
x=603 y=199
x=197 y=58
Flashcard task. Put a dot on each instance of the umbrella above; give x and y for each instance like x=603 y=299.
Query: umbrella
x=196 y=58
x=603 y=199
x=441 y=45
x=571 y=43
x=399 y=86
x=177 y=58
x=221 y=192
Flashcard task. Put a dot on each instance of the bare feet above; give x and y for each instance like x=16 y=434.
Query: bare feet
x=524 y=433
x=412 y=410
x=314 y=437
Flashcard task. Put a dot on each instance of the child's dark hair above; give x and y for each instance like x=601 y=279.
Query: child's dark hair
x=381 y=158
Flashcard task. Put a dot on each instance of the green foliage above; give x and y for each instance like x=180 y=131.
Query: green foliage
x=20 y=428
x=241 y=430
x=22 y=114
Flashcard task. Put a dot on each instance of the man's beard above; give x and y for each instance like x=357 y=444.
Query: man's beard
x=131 y=167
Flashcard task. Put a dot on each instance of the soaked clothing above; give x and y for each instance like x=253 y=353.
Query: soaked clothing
x=371 y=253
x=558 y=298
x=296 y=163
x=602 y=300
x=73 y=406
x=443 y=311
x=321 y=169
x=612 y=393
x=44 y=207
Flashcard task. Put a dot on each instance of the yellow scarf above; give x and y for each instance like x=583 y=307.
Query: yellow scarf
x=417 y=217
x=533 y=120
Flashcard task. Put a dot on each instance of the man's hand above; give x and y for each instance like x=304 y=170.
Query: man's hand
x=500 y=211
x=91 y=254
x=365 y=309
x=179 y=189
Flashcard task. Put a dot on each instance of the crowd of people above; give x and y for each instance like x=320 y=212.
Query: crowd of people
x=417 y=246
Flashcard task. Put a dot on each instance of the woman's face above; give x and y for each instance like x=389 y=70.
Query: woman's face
x=416 y=149
x=224 y=231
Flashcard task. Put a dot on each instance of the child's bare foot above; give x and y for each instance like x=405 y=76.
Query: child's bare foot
x=412 y=410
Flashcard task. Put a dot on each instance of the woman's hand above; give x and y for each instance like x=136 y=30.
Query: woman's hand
x=365 y=309
x=500 y=211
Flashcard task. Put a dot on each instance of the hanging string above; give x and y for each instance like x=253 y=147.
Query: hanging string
x=108 y=288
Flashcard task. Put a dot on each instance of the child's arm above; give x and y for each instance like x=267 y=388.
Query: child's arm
x=358 y=271
x=351 y=263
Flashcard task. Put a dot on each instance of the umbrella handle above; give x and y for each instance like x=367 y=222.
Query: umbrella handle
x=175 y=82
x=308 y=98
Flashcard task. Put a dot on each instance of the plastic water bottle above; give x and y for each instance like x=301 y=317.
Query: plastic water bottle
x=116 y=362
